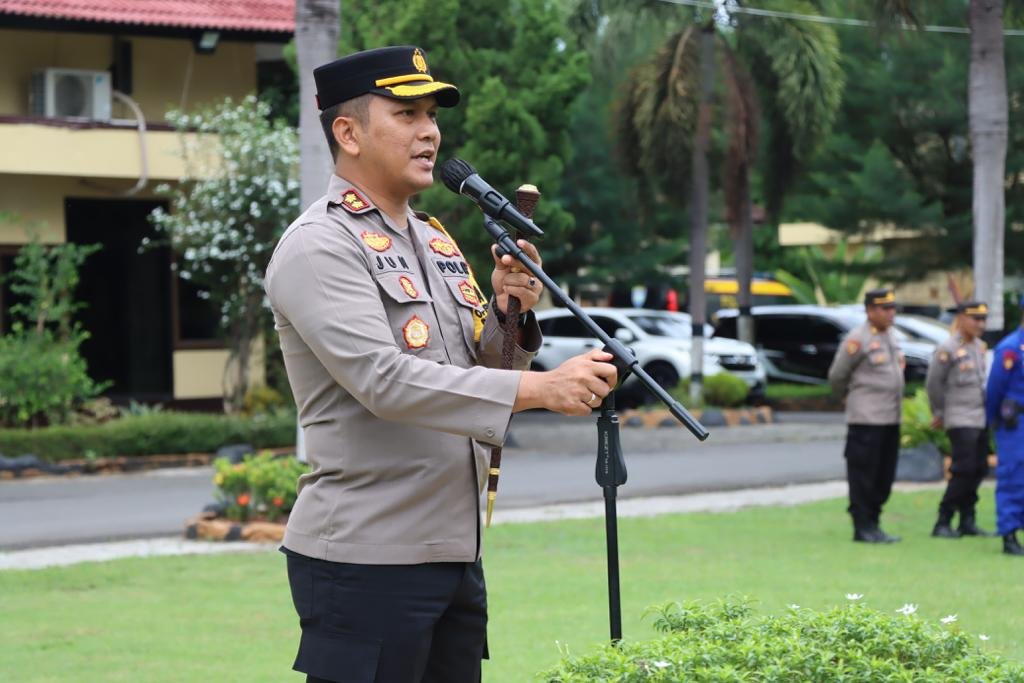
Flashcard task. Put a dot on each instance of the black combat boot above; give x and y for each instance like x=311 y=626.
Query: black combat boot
x=944 y=527
x=867 y=535
x=1010 y=544
x=886 y=538
x=969 y=528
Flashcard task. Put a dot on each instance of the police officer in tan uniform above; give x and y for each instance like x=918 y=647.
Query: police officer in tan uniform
x=868 y=370
x=956 y=392
x=389 y=345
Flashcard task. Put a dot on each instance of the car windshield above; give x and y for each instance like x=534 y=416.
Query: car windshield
x=662 y=325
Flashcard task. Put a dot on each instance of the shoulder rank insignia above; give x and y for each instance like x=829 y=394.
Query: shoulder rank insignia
x=443 y=247
x=409 y=287
x=1009 y=358
x=469 y=293
x=352 y=201
x=852 y=346
x=376 y=241
x=416 y=333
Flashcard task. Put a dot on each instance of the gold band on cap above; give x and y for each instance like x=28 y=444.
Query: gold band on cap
x=395 y=80
x=980 y=309
x=889 y=298
x=419 y=90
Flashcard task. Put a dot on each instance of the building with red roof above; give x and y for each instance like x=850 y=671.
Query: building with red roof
x=84 y=90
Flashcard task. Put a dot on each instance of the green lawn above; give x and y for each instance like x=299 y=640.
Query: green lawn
x=229 y=617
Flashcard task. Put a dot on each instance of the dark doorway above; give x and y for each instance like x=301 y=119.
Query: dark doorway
x=127 y=296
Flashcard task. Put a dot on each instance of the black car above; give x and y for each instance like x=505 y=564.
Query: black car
x=797 y=343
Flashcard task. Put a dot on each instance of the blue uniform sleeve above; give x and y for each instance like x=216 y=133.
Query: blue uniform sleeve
x=1005 y=359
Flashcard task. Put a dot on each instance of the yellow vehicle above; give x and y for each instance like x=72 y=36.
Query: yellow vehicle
x=721 y=292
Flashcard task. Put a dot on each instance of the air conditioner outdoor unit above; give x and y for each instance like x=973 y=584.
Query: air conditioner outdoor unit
x=70 y=93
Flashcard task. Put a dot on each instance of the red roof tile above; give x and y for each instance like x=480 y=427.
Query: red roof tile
x=236 y=15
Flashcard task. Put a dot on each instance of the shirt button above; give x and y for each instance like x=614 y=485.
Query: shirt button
x=489 y=432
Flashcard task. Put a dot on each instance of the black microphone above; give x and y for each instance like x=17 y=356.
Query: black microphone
x=461 y=178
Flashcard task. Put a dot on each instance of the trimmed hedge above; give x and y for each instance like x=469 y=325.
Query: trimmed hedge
x=151 y=434
x=727 y=641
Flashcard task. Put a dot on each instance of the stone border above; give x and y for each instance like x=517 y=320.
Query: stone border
x=709 y=417
x=25 y=467
x=207 y=528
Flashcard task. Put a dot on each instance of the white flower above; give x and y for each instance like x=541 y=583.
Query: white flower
x=793 y=606
x=907 y=609
x=662 y=664
x=854 y=596
x=949 y=619
x=983 y=637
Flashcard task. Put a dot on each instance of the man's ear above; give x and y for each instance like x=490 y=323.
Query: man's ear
x=347 y=133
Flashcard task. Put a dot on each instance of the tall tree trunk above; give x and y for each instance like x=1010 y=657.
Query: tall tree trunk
x=699 y=210
x=988 y=129
x=745 y=265
x=317 y=26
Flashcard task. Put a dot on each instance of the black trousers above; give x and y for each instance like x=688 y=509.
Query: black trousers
x=968 y=470
x=871 y=455
x=423 y=623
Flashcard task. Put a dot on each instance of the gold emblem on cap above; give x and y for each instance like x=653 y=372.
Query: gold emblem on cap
x=419 y=61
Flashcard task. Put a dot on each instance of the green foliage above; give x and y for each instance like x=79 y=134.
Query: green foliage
x=42 y=379
x=916 y=424
x=262 y=399
x=45 y=277
x=727 y=641
x=835 y=279
x=239 y=193
x=725 y=390
x=152 y=434
x=781 y=390
x=518 y=70
x=261 y=486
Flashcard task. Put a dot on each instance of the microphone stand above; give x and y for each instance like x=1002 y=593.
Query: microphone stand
x=611 y=465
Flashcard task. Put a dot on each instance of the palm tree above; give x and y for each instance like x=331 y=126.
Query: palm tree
x=317 y=25
x=987 y=124
x=667 y=113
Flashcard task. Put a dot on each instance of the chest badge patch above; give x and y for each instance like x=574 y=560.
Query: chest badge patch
x=351 y=200
x=943 y=356
x=961 y=352
x=469 y=293
x=1009 y=358
x=416 y=333
x=409 y=287
x=376 y=241
x=443 y=247
x=852 y=346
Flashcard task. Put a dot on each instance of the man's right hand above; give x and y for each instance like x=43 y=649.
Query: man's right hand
x=573 y=388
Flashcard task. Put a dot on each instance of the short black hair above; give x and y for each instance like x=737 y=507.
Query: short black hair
x=357 y=108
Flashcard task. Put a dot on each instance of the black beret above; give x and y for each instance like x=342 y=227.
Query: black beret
x=972 y=308
x=879 y=297
x=399 y=72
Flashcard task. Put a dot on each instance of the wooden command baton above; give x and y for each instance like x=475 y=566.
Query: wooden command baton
x=526 y=201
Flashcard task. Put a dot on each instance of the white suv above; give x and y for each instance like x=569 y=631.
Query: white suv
x=660 y=340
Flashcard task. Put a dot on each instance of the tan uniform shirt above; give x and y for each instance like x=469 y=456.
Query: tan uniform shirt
x=384 y=334
x=868 y=368
x=956 y=382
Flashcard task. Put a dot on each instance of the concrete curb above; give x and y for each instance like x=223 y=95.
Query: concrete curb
x=722 y=501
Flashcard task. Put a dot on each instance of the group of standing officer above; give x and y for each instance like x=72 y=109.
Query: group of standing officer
x=868 y=370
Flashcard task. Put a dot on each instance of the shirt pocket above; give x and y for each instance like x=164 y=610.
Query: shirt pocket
x=411 y=315
x=470 y=309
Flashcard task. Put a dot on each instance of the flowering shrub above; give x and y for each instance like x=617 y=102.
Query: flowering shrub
x=260 y=487
x=727 y=641
x=916 y=424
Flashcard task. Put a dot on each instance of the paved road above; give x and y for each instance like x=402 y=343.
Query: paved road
x=553 y=462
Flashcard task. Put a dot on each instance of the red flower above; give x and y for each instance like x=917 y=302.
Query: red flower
x=243 y=499
x=278 y=501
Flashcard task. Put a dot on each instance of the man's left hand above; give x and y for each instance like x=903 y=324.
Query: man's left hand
x=510 y=278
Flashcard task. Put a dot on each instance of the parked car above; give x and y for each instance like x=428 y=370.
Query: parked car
x=661 y=341
x=797 y=343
